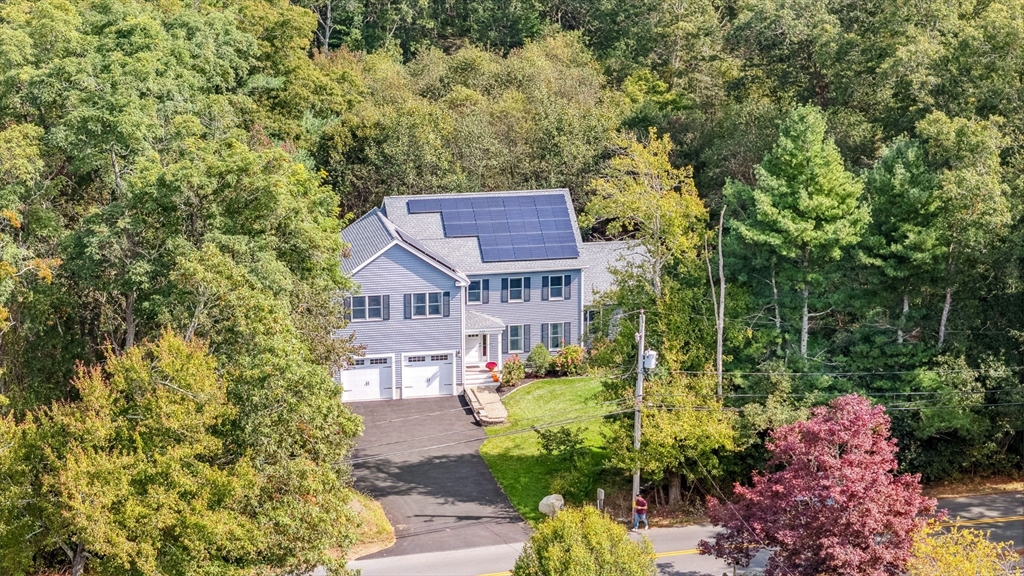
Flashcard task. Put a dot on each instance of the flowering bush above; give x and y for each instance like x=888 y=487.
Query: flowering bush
x=513 y=372
x=569 y=361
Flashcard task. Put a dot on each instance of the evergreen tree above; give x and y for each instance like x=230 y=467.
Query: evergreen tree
x=806 y=208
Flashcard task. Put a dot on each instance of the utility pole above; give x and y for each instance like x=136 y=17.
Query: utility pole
x=639 y=397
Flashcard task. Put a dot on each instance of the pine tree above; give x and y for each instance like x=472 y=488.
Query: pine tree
x=805 y=209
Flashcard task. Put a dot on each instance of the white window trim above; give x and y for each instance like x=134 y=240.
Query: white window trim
x=551 y=337
x=479 y=290
x=551 y=287
x=522 y=289
x=522 y=339
x=366 y=307
x=426 y=300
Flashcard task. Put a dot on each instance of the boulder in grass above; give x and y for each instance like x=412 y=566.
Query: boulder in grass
x=550 y=505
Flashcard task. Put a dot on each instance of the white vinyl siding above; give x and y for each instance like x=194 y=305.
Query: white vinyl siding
x=400 y=272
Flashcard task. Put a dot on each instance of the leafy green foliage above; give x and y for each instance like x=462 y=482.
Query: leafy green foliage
x=584 y=541
x=539 y=359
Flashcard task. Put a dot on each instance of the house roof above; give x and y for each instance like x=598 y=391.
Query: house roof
x=477 y=321
x=370 y=235
x=465 y=252
x=424 y=234
x=602 y=258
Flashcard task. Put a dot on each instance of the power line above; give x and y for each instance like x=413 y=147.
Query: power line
x=862 y=393
x=875 y=373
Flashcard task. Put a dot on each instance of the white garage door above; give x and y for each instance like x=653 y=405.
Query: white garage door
x=367 y=379
x=428 y=375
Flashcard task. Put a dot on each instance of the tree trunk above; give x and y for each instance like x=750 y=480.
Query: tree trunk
x=804 y=323
x=675 y=488
x=903 y=318
x=721 y=299
x=945 y=316
x=78 y=562
x=129 y=320
x=775 y=302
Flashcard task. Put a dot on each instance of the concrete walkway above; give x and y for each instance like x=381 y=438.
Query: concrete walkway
x=440 y=498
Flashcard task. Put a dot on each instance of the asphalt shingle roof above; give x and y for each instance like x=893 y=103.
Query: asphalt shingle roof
x=464 y=252
x=602 y=257
x=477 y=321
x=424 y=233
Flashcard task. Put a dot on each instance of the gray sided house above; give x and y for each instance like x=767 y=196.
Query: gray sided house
x=449 y=283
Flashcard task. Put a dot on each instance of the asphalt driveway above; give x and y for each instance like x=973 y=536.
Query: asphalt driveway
x=428 y=475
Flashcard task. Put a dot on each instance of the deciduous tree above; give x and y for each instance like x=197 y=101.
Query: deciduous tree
x=831 y=503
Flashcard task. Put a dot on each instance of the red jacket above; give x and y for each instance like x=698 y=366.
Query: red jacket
x=641 y=505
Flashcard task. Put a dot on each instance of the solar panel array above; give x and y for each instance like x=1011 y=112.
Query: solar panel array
x=532 y=227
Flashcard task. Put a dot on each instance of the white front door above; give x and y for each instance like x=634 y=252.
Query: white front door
x=474 y=349
x=428 y=374
x=367 y=379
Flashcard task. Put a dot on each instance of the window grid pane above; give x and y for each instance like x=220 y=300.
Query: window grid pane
x=556 y=287
x=474 y=291
x=419 y=304
x=515 y=338
x=555 y=336
x=435 y=304
x=373 y=308
x=359 y=308
x=515 y=288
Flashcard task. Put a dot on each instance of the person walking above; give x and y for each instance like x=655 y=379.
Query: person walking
x=640 y=512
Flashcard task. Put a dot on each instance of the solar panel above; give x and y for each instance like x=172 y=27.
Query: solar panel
x=508 y=228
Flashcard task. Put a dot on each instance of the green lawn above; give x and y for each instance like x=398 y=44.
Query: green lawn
x=516 y=460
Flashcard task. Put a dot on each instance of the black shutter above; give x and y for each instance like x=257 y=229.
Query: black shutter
x=504 y=289
x=526 y=337
x=385 y=304
x=408 y=306
x=544 y=335
x=543 y=287
x=348 y=308
x=446 y=304
x=526 y=289
x=567 y=287
x=504 y=341
x=567 y=333
x=485 y=291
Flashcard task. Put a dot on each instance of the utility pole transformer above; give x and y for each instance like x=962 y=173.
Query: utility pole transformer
x=639 y=397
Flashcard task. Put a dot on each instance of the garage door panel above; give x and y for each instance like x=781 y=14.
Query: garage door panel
x=367 y=379
x=428 y=375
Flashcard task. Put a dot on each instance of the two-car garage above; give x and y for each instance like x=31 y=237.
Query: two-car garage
x=421 y=374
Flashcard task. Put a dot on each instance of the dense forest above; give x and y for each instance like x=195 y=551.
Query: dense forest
x=173 y=177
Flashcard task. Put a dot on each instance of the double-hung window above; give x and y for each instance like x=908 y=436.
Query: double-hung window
x=367 y=308
x=515 y=289
x=473 y=294
x=555 y=336
x=425 y=304
x=556 y=288
x=515 y=338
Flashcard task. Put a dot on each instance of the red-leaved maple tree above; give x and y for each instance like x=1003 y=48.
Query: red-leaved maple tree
x=833 y=504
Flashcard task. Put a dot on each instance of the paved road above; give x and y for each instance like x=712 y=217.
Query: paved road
x=440 y=499
x=675 y=546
